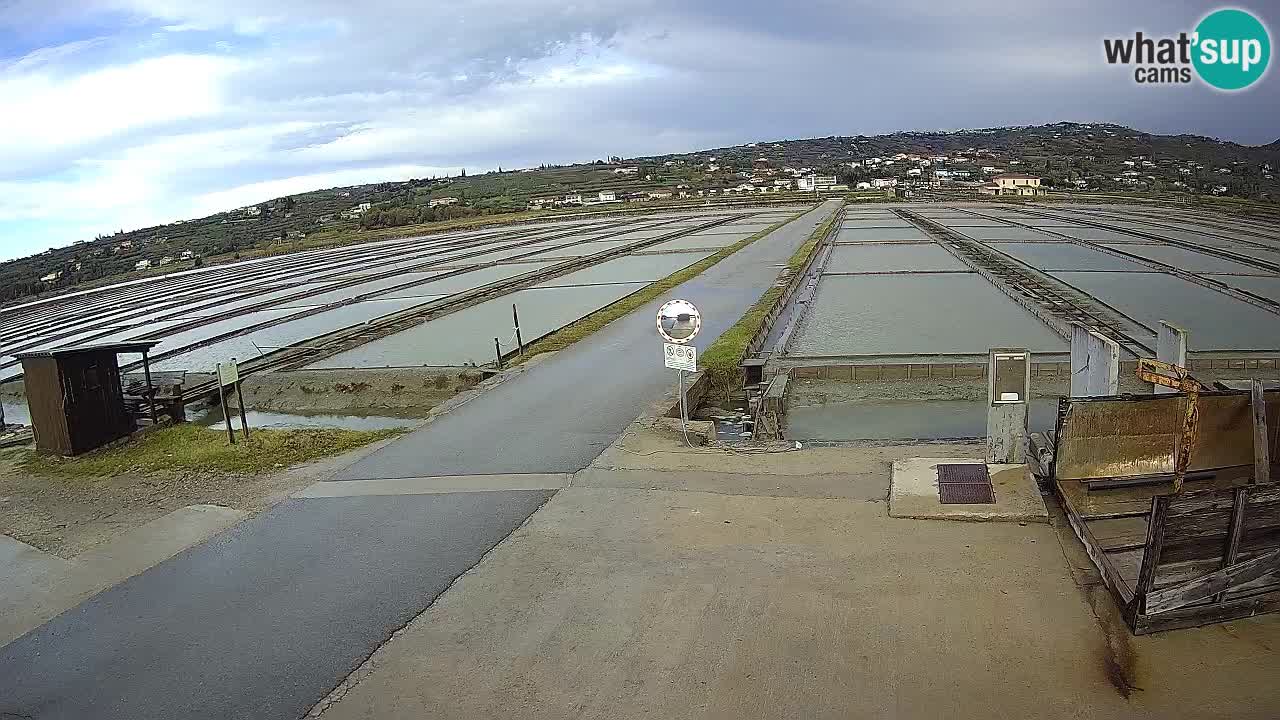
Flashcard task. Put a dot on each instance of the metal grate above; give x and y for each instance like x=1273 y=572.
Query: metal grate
x=966 y=473
x=968 y=484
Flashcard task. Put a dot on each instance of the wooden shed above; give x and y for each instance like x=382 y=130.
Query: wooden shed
x=75 y=396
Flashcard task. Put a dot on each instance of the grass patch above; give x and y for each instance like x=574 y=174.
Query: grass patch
x=721 y=362
x=571 y=334
x=189 y=447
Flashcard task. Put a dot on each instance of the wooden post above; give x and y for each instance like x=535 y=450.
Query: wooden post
x=244 y=420
x=1235 y=530
x=1261 y=438
x=151 y=390
x=497 y=352
x=222 y=400
x=515 y=317
x=1151 y=550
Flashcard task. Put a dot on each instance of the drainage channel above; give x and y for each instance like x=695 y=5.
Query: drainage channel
x=1057 y=304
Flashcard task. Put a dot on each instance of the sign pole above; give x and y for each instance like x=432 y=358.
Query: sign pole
x=222 y=400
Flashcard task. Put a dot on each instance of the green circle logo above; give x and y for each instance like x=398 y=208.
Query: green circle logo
x=1232 y=49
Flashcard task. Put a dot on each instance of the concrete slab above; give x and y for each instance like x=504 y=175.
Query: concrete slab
x=913 y=493
x=49 y=586
x=433 y=485
x=632 y=603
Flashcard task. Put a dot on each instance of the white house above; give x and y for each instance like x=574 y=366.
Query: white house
x=884 y=182
x=443 y=202
x=1016 y=184
x=142 y=265
x=51 y=277
x=166 y=260
x=607 y=196
x=913 y=172
x=864 y=186
x=626 y=171
x=573 y=199
x=187 y=255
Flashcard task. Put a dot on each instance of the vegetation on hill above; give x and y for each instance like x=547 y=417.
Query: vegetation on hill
x=1094 y=157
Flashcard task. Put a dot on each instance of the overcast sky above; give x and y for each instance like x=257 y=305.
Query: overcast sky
x=124 y=113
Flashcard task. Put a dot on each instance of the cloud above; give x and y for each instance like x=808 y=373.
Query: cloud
x=122 y=112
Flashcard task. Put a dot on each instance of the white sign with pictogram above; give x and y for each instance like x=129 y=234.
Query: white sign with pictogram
x=680 y=357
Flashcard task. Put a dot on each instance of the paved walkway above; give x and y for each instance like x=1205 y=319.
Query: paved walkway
x=263 y=620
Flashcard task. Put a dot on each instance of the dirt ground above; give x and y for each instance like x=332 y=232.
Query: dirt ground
x=68 y=515
x=399 y=392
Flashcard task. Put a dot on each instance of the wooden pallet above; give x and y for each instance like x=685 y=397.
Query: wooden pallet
x=1208 y=553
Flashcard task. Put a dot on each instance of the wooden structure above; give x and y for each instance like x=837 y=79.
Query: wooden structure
x=1173 y=499
x=76 y=398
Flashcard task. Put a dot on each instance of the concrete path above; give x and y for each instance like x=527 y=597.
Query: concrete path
x=558 y=416
x=265 y=619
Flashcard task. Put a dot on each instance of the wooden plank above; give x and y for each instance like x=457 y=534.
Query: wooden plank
x=1235 y=530
x=1206 y=614
x=1121 y=590
x=1172 y=598
x=1261 y=441
x=1151 y=554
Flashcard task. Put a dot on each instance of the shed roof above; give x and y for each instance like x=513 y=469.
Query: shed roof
x=125 y=347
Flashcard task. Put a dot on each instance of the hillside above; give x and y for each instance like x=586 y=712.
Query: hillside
x=1067 y=155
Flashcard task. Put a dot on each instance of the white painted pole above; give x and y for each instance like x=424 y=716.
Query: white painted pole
x=1171 y=347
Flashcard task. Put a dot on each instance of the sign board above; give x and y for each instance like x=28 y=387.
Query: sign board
x=680 y=357
x=679 y=321
x=228 y=373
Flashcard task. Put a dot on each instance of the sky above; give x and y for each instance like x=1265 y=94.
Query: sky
x=119 y=114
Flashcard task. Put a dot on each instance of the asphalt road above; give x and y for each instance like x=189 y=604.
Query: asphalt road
x=263 y=620
x=561 y=414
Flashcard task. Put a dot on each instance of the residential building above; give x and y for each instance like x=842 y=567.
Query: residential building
x=187 y=255
x=443 y=202
x=1015 y=184
x=166 y=260
x=660 y=194
x=52 y=277
x=573 y=199
x=606 y=196
x=626 y=171
x=142 y=265
x=884 y=182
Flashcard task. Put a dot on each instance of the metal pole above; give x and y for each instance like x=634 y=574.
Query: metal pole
x=515 y=317
x=683 y=423
x=222 y=400
x=497 y=351
x=244 y=420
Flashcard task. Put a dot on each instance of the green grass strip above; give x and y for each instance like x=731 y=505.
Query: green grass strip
x=190 y=447
x=574 y=332
x=721 y=363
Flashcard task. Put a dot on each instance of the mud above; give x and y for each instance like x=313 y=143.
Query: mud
x=392 y=392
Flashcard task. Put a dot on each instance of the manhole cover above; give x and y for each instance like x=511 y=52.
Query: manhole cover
x=968 y=484
x=966 y=473
x=966 y=494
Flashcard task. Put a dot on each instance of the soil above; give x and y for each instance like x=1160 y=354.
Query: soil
x=68 y=515
x=396 y=392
